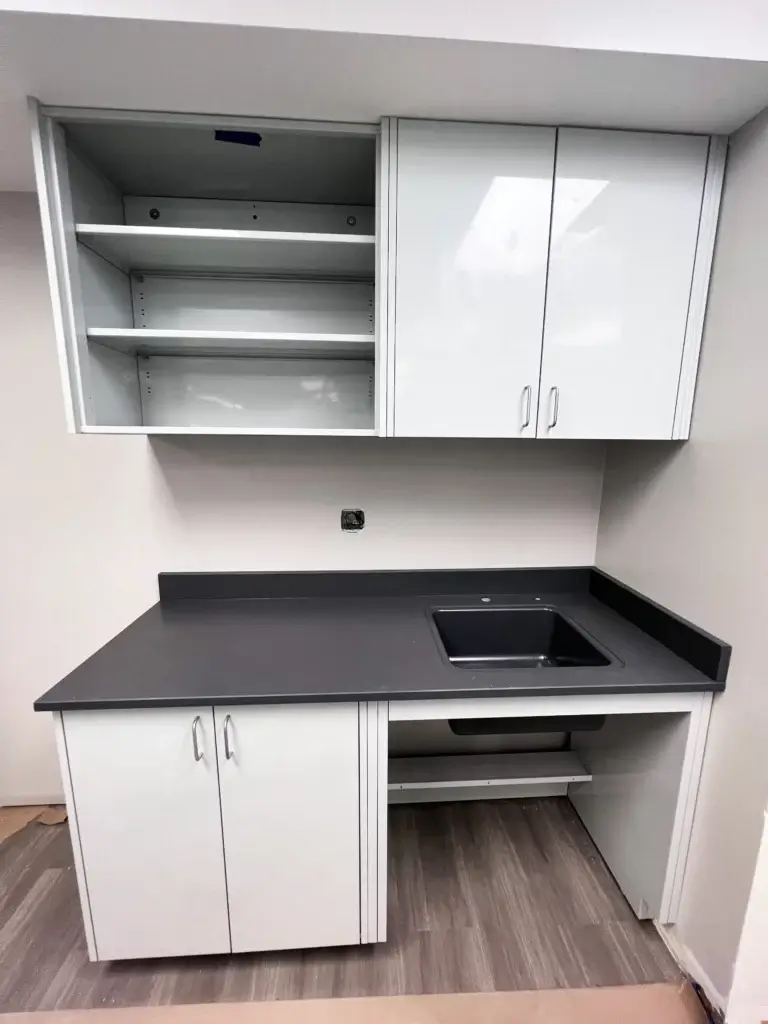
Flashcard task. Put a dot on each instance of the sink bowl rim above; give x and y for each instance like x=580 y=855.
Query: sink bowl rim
x=613 y=660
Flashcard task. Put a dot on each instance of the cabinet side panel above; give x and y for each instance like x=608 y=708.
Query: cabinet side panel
x=631 y=806
x=74 y=835
x=383 y=268
x=365 y=841
x=58 y=283
x=115 y=382
x=107 y=300
x=382 y=852
x=391 y=278
x=705 y=249
x=373 y=788
x=95 y=200
x=114 y=377
x=683 y=826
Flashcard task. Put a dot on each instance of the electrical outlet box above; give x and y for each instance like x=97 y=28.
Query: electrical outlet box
x=352 y=519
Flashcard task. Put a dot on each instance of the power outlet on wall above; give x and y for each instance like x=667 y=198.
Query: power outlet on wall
x=352 y=519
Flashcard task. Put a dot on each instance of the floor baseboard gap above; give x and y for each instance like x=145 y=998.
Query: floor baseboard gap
x=711 y=999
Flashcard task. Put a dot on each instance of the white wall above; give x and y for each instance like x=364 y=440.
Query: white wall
x=89 y=521
x=748 y=1003
x=706 y=28
x=687 y=526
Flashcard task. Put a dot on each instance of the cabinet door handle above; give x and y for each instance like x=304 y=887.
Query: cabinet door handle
x=229 y=750
x=195 y=743
x=554 y=405
x=527 y=403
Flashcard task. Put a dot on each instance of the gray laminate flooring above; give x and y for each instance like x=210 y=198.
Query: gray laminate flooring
x=485 y=896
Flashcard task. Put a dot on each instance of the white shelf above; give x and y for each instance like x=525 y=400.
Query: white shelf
x=146 y=341
x=461 y=770
x=215 y=250
x=256 y=431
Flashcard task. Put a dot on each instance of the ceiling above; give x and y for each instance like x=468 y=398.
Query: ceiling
x=251 y=70
x=695 y=28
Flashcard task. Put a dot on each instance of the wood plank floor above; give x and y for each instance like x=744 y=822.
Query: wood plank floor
x=483 y=896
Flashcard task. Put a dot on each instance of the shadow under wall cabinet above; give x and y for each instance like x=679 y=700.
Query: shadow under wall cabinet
x=408 y=278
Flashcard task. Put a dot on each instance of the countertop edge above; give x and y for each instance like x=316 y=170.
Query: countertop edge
x=695 y=686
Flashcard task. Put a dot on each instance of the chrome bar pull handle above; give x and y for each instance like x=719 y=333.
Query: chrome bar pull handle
x=554 y=405
x=229 y=750
x=527 y=405
x=195 y=743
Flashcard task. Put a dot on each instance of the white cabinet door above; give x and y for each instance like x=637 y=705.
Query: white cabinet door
x=625 y=223
x=473 y=213
x=290 y=798
x=146 y=796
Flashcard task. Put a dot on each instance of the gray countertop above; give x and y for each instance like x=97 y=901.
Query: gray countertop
x=197 y=652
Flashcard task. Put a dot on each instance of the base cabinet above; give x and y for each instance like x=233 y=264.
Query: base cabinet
x=290 y=806
x=227 y=829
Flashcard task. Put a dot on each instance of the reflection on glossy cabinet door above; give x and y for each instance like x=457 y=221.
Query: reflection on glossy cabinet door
x=625 y=222
x=473 y=212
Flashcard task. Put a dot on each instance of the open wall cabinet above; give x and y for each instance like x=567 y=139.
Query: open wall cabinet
x=213 y=274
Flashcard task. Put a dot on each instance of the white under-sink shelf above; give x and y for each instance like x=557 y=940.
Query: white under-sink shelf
x=424 y=778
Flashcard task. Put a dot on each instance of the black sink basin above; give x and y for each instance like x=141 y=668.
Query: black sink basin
x=514 y=638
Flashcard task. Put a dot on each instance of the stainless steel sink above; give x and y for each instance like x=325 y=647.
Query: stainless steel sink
x=514 y=638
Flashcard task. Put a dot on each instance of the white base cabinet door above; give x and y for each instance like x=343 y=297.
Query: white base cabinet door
x=290 y=802
x=625 y=225
x=146 y=799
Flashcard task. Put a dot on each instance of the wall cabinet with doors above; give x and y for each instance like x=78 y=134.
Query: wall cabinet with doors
x=213 y=830
x=410 y=278
x=548 y=283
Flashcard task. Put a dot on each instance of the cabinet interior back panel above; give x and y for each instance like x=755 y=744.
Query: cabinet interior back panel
x=202 y=391
x=161 y=211
x=281 y=165
x=624 y=230
x=252 y=304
